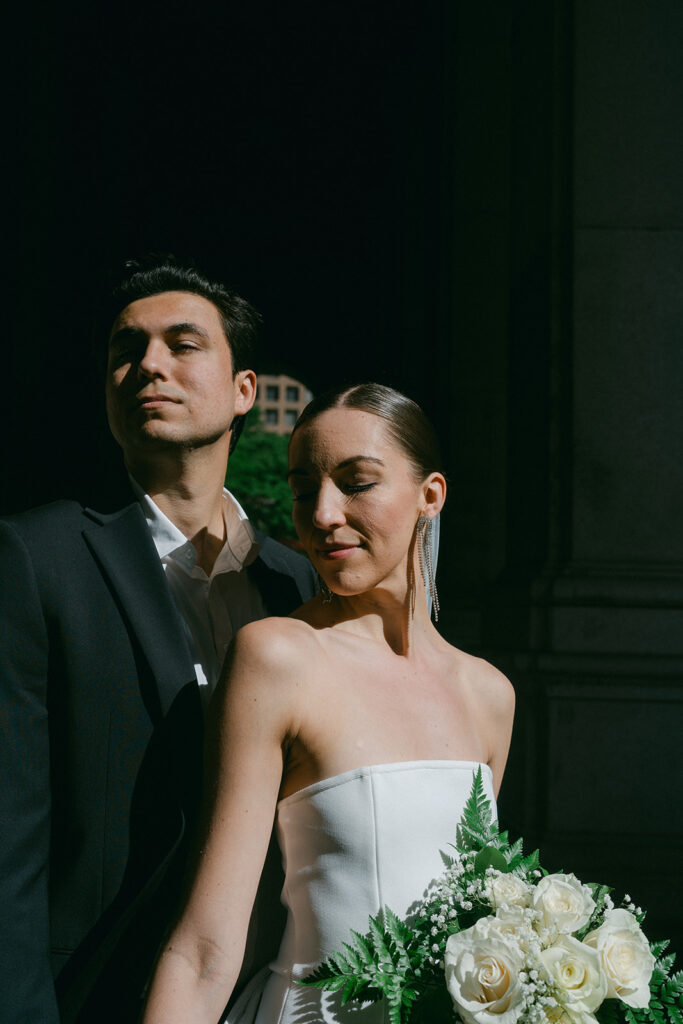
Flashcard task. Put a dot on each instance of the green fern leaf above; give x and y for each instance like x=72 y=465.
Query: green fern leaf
x=352 y=987
x=379 y=945
x=513 y=854
x=364 y=948
x=634 y=1016
x=530 y=863
x=665 y=963
x=321 y=976
x=339 y=961
x=475 y=824
x=354 y=959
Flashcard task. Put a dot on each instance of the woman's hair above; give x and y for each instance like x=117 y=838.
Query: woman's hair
x=404 y=419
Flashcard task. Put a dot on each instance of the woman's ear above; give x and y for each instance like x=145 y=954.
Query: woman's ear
x=434 y=494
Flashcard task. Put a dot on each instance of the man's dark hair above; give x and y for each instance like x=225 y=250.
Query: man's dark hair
x=153 y=275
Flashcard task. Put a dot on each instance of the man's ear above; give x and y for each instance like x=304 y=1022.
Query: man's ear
x=434 y=494
x=245 y=391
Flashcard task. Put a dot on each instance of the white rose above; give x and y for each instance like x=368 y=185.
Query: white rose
x=625 y=956
x=576 y=970
x=482 y=974
x=565 y=904
x=507 y=890
x=561 y=1015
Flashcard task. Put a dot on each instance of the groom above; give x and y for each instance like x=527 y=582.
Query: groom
x=113 y=629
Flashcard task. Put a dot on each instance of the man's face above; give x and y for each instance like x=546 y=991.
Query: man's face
x=169 y=375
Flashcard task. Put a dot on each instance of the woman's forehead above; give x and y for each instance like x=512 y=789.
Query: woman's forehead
x=338 y=434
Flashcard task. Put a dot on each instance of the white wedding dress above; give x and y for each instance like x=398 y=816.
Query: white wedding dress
x=351 y=844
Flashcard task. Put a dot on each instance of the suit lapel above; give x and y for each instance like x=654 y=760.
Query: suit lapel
x=123 y=547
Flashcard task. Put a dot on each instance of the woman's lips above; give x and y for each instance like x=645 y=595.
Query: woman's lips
x=336 y=553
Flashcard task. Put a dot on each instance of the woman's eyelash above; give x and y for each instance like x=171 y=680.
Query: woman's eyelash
x=349 y=488
x=355 y=488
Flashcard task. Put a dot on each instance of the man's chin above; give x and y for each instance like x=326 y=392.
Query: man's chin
x=160 y=437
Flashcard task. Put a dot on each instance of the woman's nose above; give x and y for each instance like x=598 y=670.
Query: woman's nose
x=328 y=509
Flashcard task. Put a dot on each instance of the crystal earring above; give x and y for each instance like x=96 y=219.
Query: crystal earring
x=424 y=554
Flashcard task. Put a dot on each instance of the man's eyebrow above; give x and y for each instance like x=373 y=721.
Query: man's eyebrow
x=125 y=333
x=129 y=331
x=297 y=471
x=186 y=328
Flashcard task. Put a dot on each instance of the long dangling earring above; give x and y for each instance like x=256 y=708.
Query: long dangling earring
x=325 y=591
x=424 y=555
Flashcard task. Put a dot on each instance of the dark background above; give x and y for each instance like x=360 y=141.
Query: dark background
x=479 y=203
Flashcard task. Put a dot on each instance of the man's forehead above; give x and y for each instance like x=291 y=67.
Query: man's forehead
x=169 y=308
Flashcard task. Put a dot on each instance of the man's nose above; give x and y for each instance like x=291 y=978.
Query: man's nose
x=153 y=360
x=328 y=510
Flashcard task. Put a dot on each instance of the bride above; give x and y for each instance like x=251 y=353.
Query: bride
x=352 y=723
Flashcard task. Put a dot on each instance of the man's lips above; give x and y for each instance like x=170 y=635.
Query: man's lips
x=154 y=401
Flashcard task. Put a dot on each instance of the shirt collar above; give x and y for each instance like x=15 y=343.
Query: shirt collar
x=240 y=548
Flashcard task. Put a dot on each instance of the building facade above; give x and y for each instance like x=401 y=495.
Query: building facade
x=281 y=400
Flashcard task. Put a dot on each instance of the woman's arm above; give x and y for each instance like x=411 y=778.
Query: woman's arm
x=496 y=713
x=251 y=721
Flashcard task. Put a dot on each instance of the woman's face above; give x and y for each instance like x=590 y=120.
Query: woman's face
x=356 y=500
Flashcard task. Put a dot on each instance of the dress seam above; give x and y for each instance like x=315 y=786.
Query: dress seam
x=375 y=831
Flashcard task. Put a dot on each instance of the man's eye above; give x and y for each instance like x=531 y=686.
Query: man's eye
x=184 y=346
x=304 y=496
x=120 y=355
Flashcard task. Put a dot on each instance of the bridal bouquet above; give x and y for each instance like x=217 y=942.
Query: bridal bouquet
x=498 y=940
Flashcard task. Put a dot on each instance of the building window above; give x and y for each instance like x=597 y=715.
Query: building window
x=292 y=393
x=272 y=394
x=291 y=416
x=271 y=416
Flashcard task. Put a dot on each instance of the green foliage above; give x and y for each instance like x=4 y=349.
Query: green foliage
x=490 y=857
x=600 y=893
x=385 y=963
x=257 y=476
x=476 y=829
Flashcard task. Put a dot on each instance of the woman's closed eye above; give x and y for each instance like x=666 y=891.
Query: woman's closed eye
x=356 y=488
x=309 y=494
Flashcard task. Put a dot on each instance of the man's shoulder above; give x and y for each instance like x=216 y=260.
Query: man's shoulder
x=58 y=521
x=45 y=517
x=281 y=557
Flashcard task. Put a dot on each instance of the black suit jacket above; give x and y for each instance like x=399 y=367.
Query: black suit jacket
x=100 y=756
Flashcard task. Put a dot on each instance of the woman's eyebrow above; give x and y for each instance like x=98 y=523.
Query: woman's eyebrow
x=359 y=458
x=298 y=471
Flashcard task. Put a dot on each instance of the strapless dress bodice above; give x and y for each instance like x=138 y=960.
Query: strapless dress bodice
x=352 y=844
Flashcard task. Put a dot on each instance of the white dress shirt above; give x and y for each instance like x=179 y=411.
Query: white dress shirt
x=212 y=607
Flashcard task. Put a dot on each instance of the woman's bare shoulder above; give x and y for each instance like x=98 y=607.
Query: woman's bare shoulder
x=490 y=685
x=280 y=643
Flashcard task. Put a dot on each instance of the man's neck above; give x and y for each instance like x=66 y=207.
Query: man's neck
x=191 y=496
